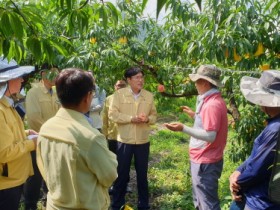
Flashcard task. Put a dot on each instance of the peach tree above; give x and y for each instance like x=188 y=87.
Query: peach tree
x=239 y=36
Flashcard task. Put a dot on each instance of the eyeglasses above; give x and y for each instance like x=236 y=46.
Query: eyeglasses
x=138 y=77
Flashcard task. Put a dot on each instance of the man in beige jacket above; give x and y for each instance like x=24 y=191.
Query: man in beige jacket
x=41 y=104
x=72 y=156
x=133 y=110
x=109 y=128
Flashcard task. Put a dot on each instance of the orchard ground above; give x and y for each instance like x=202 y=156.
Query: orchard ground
x=168 y=174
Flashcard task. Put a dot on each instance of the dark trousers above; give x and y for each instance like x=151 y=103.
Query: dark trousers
x=205 y=177
x=125 y=153
x=238 y=205
x=32 y=187
x=112 y=145
x=10 y=198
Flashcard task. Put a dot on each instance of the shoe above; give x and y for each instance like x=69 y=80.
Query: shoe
x=128 y=189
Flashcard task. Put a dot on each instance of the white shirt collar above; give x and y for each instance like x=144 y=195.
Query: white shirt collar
x=135 y=95
x=10 y=101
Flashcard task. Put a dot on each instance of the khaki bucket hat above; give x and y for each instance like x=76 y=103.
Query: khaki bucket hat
x=208 y=72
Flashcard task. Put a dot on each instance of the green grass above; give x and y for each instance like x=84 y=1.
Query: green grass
x=169 y=174
x=169 y=177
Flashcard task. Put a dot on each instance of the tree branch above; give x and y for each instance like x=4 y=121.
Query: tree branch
x=84 y=4
x=24 y=18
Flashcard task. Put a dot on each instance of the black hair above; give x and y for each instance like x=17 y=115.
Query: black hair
x=133 y=71
x=46 y=67
x=72 y=85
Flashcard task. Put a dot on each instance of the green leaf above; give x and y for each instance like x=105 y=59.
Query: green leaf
x=5 y=24
x=47 y=49
x=29 y=43
x=69 y=4
x=63 y=39
x=79 y=19
x=37 y=52
x=198 y=4
x=34 y=45
x=18 y=52
x=12 y=53
x=63 y=14
x=84 y=21
x=228 y=20
x=114 y=11
x=71 y=21
x=216 y=27
x=272 y=6
x=225 y=79
x=59 y=47
x=144 y=3
x=16 y=25
x=6 y=47
x=160 y=4
x=211 y=36
x=185 y=46
x=103 y=16
x=191 y=48
x=35 y=17
x=1 y=45
x=61 y=3
x=266 y=25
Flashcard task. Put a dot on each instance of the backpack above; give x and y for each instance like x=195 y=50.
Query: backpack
x=274 y=183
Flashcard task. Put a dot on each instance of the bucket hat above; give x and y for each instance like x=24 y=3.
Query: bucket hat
x=11 y=70
x=264 y=91
x=207 y=72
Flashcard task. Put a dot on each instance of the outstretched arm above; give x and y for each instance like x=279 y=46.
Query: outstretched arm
x=201 y=134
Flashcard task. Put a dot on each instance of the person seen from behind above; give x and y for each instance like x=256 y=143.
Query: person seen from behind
x=72 y=156
x=41 y=104
x=250 y=182
x=15 y=148
x=208 y=137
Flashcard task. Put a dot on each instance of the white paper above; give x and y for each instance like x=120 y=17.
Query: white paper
x=32 y=136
